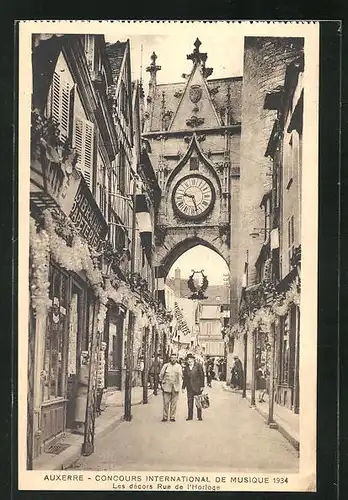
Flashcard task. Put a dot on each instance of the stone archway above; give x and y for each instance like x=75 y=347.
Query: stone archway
x=166 y=257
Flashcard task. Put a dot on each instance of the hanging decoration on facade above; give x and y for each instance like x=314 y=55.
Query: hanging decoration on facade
x=198 y=287
x=78 y=256
x=180 y=321
x=39 y=258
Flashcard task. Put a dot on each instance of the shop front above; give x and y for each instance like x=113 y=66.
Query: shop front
x=287 y=365
x=67 y=336
x=64 y=283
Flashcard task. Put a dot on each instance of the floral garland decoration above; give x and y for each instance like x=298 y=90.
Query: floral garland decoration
x=39 y=253
x=79 y=257
x=292 y=296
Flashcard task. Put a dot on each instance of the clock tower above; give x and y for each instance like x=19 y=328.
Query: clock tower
x=192 y=132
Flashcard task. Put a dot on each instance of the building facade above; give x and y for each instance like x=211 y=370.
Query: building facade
x=93 y=200
x=267 y=334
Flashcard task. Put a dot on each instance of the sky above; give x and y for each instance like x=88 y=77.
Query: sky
x=172 y=51
x=199 y=258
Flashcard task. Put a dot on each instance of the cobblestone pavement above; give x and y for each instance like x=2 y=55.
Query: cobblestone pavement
x=231 y=437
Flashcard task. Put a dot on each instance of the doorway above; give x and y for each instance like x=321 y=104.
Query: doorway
x=115 y=355
x=75 y=334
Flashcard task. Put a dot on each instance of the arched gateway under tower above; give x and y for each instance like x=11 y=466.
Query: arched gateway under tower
x=193 y=135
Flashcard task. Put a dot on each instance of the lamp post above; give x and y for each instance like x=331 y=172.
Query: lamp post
x=253 y=379
x=245 y=364
x=270 y=419
x=155 y=364
x=146 y=365
x=130 y=332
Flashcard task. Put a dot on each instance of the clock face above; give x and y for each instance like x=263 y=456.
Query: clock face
x=193 y=197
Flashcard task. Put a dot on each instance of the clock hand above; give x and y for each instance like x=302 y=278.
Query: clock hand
x=194 y=202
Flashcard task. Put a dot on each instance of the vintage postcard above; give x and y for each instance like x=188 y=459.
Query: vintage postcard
x=168 y=221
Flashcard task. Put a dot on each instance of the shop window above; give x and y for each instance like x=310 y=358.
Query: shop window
x=287 y=354
x=56 y=338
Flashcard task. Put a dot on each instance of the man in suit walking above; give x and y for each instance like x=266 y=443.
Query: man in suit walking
x=193 y=382
x=170 y=378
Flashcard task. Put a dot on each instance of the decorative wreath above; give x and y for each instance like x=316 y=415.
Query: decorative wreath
x=198 y=293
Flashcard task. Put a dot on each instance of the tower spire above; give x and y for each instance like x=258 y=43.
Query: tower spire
x=153 y=68
x=200 y=58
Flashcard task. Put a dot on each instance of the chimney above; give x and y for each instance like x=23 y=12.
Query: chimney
x=177 y=282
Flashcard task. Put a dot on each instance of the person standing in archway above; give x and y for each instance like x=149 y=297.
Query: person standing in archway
x=170 y=378
x=193 y=382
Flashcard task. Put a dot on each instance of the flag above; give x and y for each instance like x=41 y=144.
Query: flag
x=144 y=222
x=245 y=275
x=182 y=327
x=159 y=284
x=274 y=238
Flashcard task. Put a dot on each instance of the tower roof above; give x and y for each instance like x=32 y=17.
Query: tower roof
x=218 y=89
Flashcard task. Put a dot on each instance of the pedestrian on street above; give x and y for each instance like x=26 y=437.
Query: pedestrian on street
x=154 y=371
x=210 y=374
x=81 y=394
x=237 y=374
x=193 y=382
x=170 y=378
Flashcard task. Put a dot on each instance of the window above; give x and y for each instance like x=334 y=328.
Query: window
x=102 y=190
x=292 y=158
x=59 y=104
x=291 y=240
x=122 y=170
x=268 y=209
x=83 y=141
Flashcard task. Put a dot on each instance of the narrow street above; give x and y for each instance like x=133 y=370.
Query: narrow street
x=231 y=437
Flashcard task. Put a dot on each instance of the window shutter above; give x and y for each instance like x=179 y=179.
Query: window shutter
x=88 y=170
x=58 y=105
x=55 y=107
x=83 y=142
x=65 y=110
